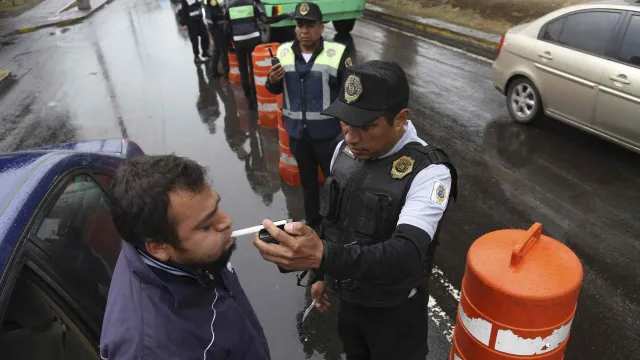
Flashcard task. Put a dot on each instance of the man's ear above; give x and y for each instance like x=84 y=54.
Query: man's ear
x=401 y=119
x=159 y=250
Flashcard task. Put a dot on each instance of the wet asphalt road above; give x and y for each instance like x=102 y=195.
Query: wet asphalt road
x=128 y=72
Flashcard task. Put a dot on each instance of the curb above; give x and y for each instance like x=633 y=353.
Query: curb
x=61 y=22
x=474 y=41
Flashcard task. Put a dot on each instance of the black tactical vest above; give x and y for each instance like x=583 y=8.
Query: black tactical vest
x=361 y=204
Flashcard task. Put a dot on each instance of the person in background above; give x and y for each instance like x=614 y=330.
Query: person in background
x=216 y=21
x=174 y=293
x=310 y=74
x=190 y=17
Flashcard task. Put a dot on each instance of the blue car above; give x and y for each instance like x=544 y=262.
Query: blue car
x=58 y=247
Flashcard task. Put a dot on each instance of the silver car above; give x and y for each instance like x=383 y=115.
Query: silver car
x=579 y=64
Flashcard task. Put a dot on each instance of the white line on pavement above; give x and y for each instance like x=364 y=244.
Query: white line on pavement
x=431 y=41
x=440 y=318
x=439 y=275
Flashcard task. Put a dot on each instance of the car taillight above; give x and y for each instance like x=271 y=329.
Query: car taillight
x=501 y=43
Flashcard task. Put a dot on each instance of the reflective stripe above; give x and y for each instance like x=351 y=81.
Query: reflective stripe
x=322 y=68
x=234 y=70
x=479 y=328
x=260 y=80
x=246 y=37
x=508 y=342
x=288 y=160
x=208 y=21
x=195 y=13
x=241 y=12
x=268 y=107
x=456 y=357
x=297 y=115
x=264 y=63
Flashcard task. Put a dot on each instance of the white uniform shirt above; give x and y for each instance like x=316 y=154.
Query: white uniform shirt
x=422 y=207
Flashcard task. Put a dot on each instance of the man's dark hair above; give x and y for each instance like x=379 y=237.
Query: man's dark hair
x=140 y=196
x=391 y=114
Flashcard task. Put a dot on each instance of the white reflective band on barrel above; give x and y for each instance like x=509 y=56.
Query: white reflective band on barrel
x=510 y=343
x=267 y=106
x=264 y=63
x=235 y=70
x=479 y=328
x=260 y=80
x=456 y=357
x=288 y=160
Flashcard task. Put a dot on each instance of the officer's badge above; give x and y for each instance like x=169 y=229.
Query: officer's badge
x=352 y=89
x=348 y=62
x=401 y=167
x=439 y=193
x=331 y=53
x=304 y=9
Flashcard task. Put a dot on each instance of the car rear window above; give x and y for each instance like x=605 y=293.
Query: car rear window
x=590 y=31
x=630 y=50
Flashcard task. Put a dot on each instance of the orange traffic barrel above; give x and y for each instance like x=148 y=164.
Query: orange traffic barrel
x=268 y=111
x=234 y=69
x=288 y=167
x=280 y=100
x=260 y=79
x=262 y=58
x=519 y=297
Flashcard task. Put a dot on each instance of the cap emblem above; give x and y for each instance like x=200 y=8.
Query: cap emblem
x=304 y=9
x=352 y=89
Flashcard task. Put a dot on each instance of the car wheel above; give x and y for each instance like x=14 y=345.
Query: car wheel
x=344 y=26
x=523 y=101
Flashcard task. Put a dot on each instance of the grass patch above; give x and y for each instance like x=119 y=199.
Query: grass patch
x=492 y=16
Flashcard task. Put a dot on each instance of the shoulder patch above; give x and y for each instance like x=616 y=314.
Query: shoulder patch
x=284 y=51
x=439 y=193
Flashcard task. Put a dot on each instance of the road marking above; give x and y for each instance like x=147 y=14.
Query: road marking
x=482 y=58
x=440 y=318
x=439 y=275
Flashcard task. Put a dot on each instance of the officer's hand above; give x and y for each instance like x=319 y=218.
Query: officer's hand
x=320 y=296
x=276 y=73
x=300 y=247
x=184 y=27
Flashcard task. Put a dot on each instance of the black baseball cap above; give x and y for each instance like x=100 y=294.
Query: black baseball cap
x=308 y=11
x=369 y=91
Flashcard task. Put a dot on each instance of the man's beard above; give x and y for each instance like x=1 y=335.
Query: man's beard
x=214 y=266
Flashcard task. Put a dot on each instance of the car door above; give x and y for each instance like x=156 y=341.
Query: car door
x=618 y=105
x=37 y=320
x=571 y=57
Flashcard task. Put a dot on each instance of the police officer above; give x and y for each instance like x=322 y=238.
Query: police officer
x=190 y=15
x=216 y=21
x=383 y=205
x=242 y=16
x=310 y=73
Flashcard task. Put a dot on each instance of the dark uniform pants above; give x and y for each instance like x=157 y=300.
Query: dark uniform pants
x=244 y=49
x=198 y=29
x=309 y=153
x=393 y=333
x=220 y=48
